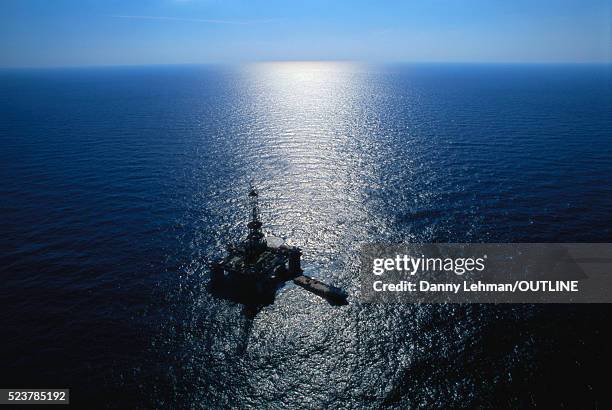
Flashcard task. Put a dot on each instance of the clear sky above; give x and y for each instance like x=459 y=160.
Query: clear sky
x=107 y=32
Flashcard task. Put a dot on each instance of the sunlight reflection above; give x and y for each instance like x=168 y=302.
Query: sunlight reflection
x=305 y=115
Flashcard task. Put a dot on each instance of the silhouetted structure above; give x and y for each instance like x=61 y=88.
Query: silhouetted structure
x=253 y=271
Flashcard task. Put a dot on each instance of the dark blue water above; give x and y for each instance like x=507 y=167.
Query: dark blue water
x=117 y=185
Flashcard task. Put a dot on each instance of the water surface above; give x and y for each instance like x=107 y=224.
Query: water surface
x=119 y=184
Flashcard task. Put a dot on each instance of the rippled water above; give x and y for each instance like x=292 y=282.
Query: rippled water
x=119 y=184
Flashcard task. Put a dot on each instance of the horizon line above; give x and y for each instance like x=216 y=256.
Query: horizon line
x=352 y=61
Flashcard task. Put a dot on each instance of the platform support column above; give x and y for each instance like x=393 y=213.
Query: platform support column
x=295 y=267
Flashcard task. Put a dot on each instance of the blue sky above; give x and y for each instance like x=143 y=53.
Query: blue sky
x=109 y=32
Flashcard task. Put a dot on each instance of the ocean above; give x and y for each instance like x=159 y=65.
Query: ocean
x=118 y=185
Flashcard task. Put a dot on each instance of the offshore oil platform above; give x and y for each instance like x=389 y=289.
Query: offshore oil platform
x=254 y=269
